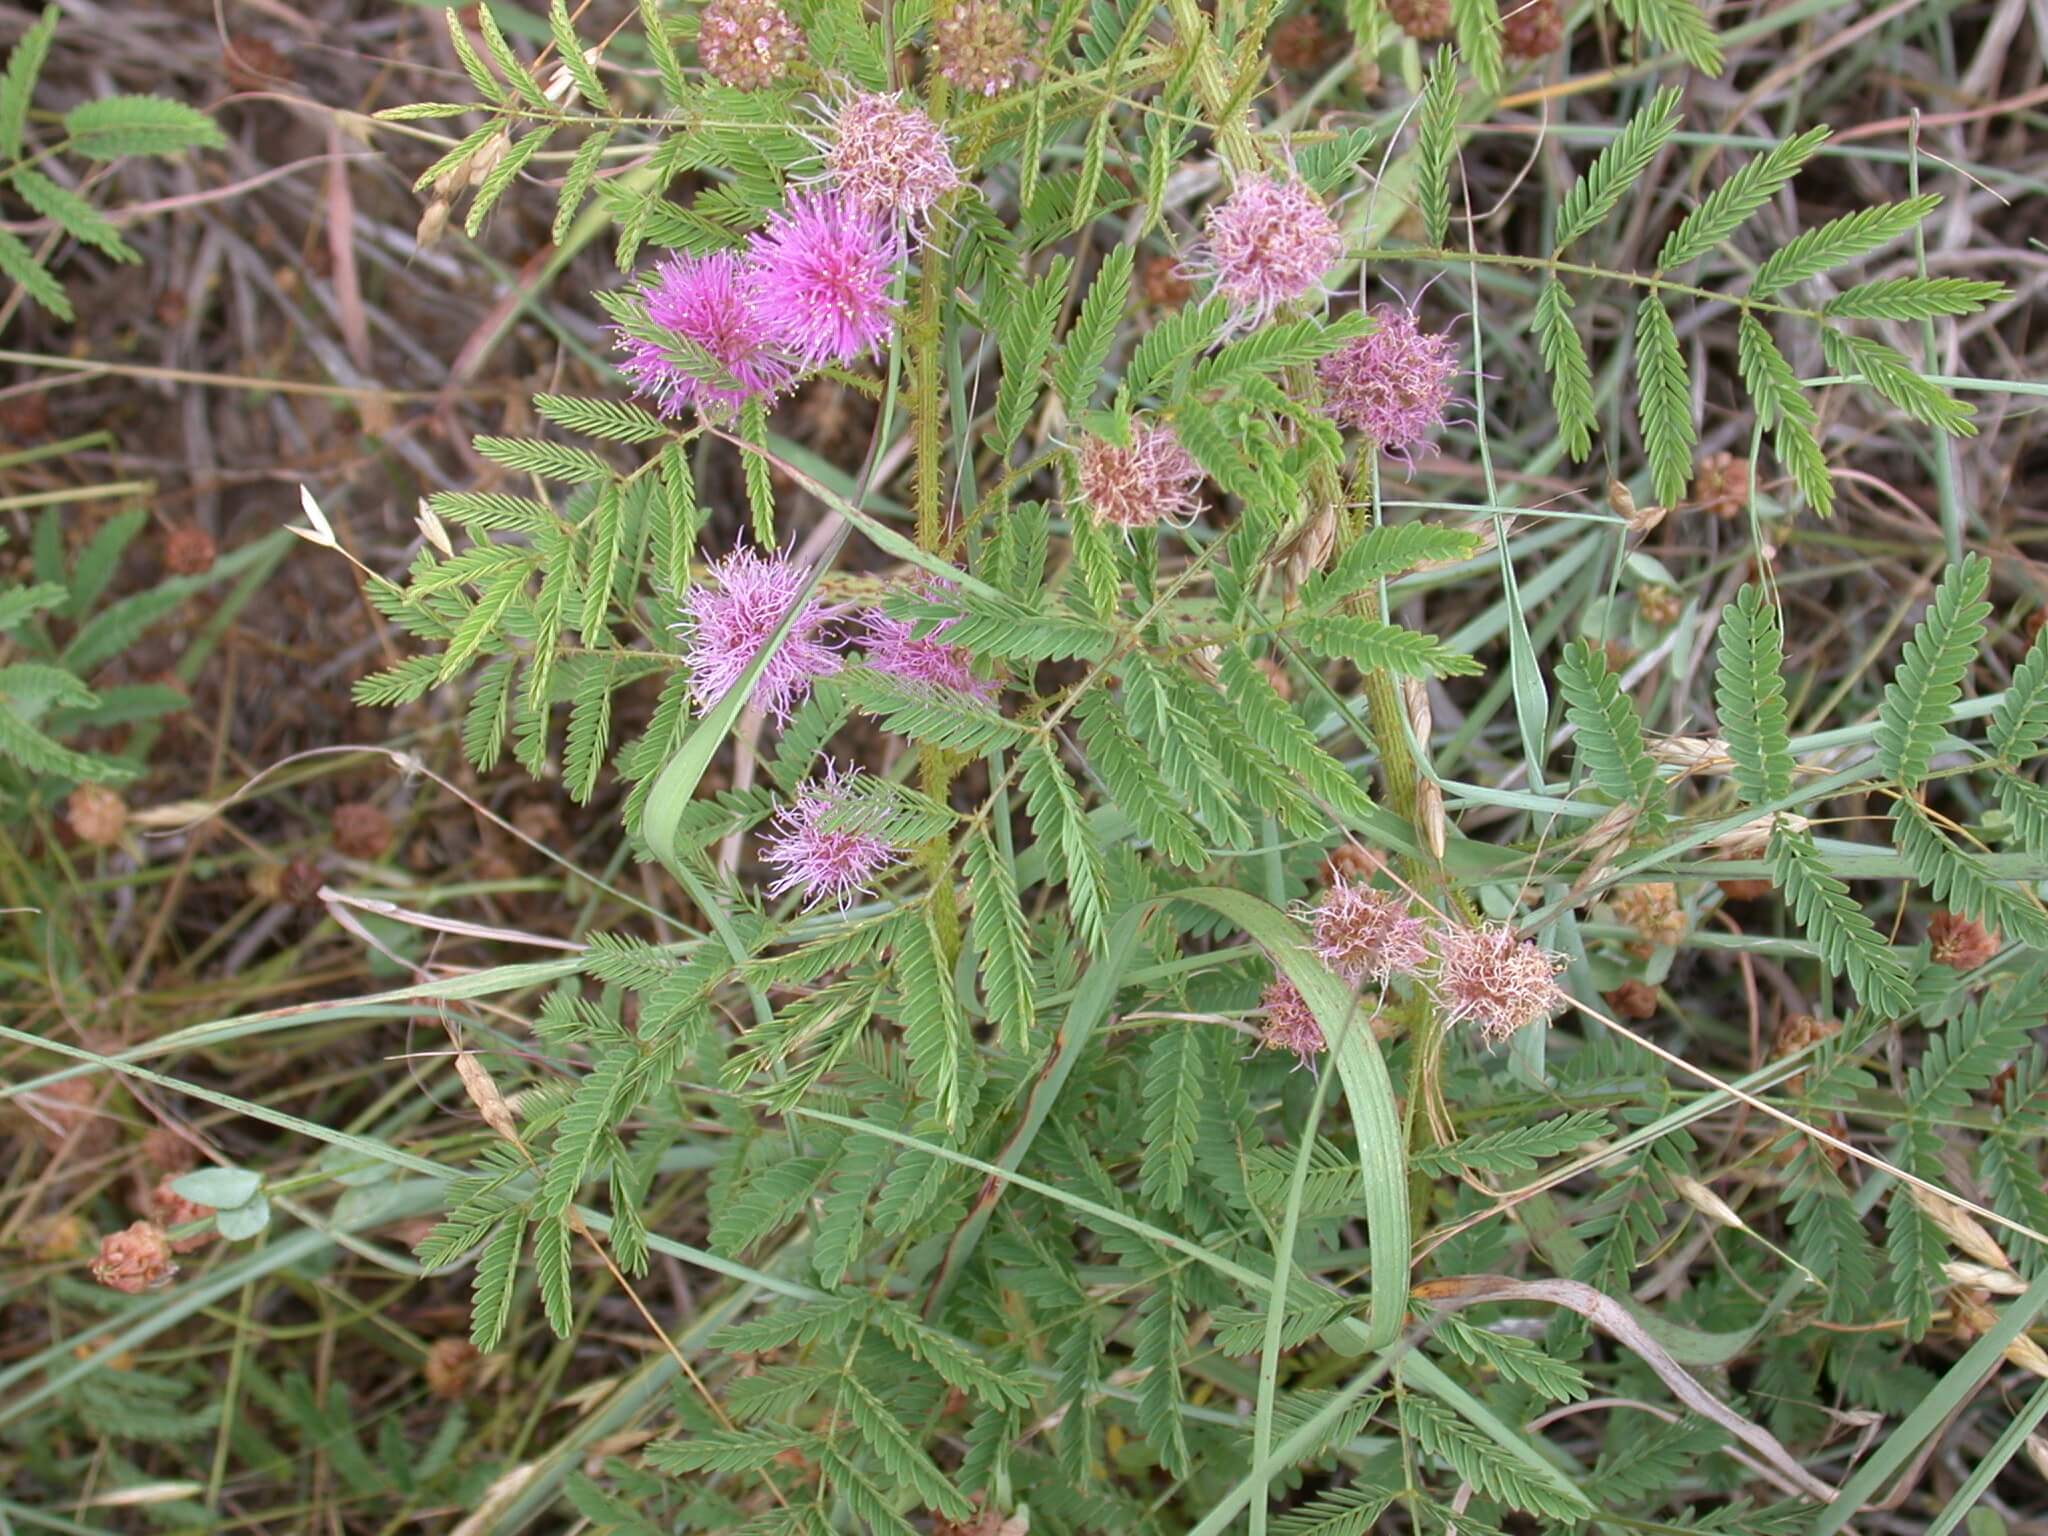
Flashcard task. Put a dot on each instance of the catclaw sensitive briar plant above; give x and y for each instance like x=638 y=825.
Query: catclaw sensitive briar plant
x=1007 y=394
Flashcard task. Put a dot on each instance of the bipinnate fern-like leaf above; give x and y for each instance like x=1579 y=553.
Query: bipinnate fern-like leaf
x=1957 y=880
x=1728 y=206
x=2021 y=719
x=1749 y=691
x=1174 y=1075
x=1663 y=400
x=1610 y=741
x=1914 y=712
x=1616 y=169
x=1571 y=375
x=1436 y=142
x=1850 y=944
x=1001 y=940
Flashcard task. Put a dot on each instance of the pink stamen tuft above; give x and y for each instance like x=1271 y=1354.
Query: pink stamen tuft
x=1393 y=385
x=821 y=273
x=1496 y=980
x=825 y=863
x=729 y=623
x=1267 y=244
x=1151 y=480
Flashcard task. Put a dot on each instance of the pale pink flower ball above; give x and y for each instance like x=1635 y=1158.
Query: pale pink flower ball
x=747 y=44
x=887 y=156
x=825 y=863
x=729 y=622
x=1150 y=480
x=820 y=276
x=1393 y=384
x=1267 y=244
x=1362 y=933
x=1290 y=1024
x=895 y=647
x=707 y=301
x=1496 y=980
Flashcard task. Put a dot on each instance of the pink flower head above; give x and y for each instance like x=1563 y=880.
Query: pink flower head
x=1363 y=933
x=895 y=647
x=886 y=156
x=1498 y=981
x=820 y=273
x=825 y=862
x=705 y=301
x=1290 y=1023
x=1393 y=384
x=747 y=44
x=1151 y=480
x=1267 y=244
x=728 y=626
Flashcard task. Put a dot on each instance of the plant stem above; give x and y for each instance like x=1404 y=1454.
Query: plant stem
x=924 y=333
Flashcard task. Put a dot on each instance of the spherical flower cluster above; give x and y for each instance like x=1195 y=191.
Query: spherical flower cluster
x=1959 y=942
x=1366 y=934
x=1529 y=29
x=97 y=816
x=1290 y=1024
x=747 y=44
x=981 y=45
x=1148 y=481
x=825 y=862
x=895 y=647
x=1267 y=244
x=134 y=1260
x=812 y=287
x=728 y=623
x=706 y=302
x=1495 y=979
x=888 y=157
x=1392 y=384
x=821 y=274
x=1423 y=20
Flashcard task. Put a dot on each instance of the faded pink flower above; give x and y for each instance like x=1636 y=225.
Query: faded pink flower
x=1267 y=244
x=887 y=156
x=728 y=624
x=826 y=863
x=1290 y=1023
x=706 y=301
x=135 y=1259
x=1394 y=384
x=894 y=646
x=820 y=274
x=1363 y=933
x=981 y=45
x=1151 y=480
x=1498 y=981
x=747 y=44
